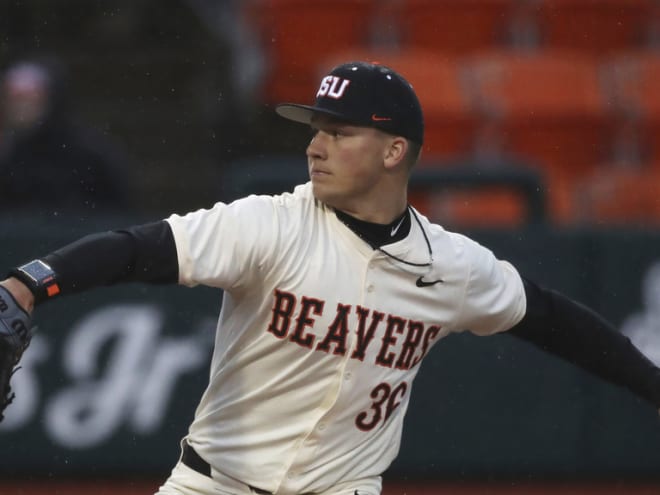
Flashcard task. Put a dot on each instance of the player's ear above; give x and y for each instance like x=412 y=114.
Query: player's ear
x=395 y=152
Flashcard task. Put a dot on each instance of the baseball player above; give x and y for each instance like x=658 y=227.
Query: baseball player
x=333 y=295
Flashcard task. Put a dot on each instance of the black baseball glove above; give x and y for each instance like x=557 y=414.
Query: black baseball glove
x=15 y=336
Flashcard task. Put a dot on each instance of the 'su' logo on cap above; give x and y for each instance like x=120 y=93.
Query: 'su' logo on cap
x=333 y=87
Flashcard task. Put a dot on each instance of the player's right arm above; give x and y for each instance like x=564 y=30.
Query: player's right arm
x=144 y=253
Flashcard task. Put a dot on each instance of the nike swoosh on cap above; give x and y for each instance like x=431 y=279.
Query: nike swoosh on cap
x=376 y=118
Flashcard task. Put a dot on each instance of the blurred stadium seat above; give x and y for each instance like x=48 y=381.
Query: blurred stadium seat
x=465 y=192
x=621 y=195
x=295 y=34
x=454 y=26
x=496 y=207
x=547 y=107
x=598 y=27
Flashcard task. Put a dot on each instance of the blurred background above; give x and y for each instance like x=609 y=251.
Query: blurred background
x=542 y=142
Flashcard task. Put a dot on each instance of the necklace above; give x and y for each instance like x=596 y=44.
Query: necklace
x=377 y=235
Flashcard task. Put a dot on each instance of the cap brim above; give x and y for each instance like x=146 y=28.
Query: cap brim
x=303 y=113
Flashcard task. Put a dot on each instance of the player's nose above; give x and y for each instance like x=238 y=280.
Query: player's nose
x=317 y=147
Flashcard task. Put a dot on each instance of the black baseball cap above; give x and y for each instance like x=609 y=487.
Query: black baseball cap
x=366 y=94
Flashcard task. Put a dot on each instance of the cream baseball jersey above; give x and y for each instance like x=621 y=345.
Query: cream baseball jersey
x=320 y=336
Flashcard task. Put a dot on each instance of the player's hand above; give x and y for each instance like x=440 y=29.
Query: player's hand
x=15 y=336
x=20 y=292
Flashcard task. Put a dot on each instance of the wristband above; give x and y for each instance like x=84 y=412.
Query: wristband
x=39 y=278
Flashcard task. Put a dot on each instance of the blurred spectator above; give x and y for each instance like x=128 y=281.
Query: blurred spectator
x=49 y=164
x=225 y=19
x=523 y=29
x=232 y=100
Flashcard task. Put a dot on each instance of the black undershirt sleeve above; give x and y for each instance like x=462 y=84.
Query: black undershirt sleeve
x=143 y=253
x=569 y=330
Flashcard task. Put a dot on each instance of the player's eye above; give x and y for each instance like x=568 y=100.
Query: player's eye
x=331 y=131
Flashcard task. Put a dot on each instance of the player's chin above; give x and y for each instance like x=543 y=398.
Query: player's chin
x=323 y=191
x=318 y=189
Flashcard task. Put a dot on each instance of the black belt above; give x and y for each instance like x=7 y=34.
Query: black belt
x=191 y=458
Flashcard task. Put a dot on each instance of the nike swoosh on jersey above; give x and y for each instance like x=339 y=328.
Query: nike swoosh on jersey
x=423 y=283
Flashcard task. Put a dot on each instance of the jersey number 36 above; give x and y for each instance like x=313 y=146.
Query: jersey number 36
x=385 y=400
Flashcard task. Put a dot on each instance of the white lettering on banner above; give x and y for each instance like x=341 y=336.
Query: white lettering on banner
x=174 y=358
x=26 y=402
x=643 y=328
x=133 y=383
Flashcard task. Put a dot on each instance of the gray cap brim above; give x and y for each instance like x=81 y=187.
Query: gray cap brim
x=303 y=113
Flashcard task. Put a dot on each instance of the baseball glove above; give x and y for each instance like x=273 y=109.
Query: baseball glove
x=15 y=336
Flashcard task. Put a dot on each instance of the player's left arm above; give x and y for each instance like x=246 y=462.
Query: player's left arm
x=563 y=327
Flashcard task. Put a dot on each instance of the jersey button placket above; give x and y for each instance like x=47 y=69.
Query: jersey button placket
x=369 y=285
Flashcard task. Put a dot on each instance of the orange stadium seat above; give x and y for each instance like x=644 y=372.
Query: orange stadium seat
x=449 y=122
x=594 y=26
x=494 y=207
x=454 y=26
x=547 y=108
x=295 y=34
x=621 y=195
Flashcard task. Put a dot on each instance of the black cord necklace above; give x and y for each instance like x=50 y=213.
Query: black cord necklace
x=426 y=238
x=376 y=234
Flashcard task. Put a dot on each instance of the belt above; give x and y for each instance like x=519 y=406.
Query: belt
x=192 y=459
